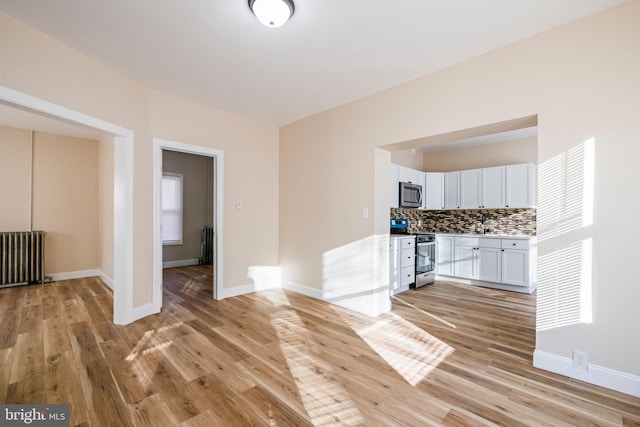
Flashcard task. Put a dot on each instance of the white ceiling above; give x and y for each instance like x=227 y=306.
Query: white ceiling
x=215 y=52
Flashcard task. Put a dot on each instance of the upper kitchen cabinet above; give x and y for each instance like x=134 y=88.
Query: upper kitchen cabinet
x=520 y=186
x=403 y=174
x=482 y=188
x=452 y=190
x=434 y=190
x=493 y=187
x=470 y=189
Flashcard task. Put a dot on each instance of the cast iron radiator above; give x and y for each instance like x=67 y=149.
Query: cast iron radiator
x=21 y=258
x=206 y=246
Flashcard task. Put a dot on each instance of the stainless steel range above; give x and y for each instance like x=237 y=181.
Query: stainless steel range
x=425 y=259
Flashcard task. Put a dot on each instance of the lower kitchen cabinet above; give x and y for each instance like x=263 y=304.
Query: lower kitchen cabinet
x=489 y=264
x=489 y=261
x=517 y=258
x=446 y=255
x=478 y=259
x=402 y=261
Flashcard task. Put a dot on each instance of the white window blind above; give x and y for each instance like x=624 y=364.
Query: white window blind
x=171 y=209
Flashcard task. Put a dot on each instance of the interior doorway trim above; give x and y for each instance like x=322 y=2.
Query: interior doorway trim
x=123 y=311
x=218 y=185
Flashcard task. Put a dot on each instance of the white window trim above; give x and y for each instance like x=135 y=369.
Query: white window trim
x=180 y=241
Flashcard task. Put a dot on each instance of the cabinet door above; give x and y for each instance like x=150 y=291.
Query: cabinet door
x=520 y=186
x=434 y=189
x=470 y=188
x=489 y=266
x=445 y=257
x=465 y=265
x=493 y=187
x=515 y=267
x=452 y=190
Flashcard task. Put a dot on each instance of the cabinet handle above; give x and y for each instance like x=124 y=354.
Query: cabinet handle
x=513 y=244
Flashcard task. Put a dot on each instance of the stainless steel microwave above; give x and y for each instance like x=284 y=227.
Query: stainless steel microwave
x=410 y=195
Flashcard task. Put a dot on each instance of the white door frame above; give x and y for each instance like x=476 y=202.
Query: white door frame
x=218 y=185
x=123 y=312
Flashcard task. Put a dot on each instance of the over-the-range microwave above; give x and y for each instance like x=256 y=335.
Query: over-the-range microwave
x=410 y=195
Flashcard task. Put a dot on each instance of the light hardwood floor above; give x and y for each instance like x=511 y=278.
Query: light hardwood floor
x=446 y=354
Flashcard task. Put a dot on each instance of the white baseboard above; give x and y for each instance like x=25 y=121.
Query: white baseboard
x=520 y=289
x=80 y=274
x=598 y=375
x=236 y=291
x=141 y=311
x=304 y=290
x=247 y=289
x=180 y=263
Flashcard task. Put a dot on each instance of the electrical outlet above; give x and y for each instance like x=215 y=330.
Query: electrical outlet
x=580 y=360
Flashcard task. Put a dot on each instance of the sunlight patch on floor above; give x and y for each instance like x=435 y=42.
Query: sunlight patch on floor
x=144 y=356
x=323 y=397
x=426 y=313
x=411 y=351
x=191 y=288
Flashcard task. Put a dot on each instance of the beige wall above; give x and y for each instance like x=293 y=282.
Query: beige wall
x=64 y=201
x=40 y=66
x=197 y=201
x=482 y=156
x=409 y=158
x=581 y=81
x=15 y=168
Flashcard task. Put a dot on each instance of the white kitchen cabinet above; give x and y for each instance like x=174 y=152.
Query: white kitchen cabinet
x=400 y=174
x=517 y=257
x=489 y=264
x=520 y=186
x=470 y=188
x=452 y=190
x=402 y=250
x=482 y=188
x=446 y=255
x=433 y=190
x=502 y=263
x=477 y=258
x=465 y=262
x=493 y=187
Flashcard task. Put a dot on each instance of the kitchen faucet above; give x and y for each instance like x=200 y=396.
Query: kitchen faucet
x=483 y=219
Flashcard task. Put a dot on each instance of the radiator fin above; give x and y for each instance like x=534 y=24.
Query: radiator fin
x=21 y=257
x=206 y=246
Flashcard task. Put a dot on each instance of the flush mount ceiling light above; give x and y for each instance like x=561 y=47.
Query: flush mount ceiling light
x=272 y=13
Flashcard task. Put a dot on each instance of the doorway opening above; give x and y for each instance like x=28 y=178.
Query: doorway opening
x=179 y=162
x=123 y=311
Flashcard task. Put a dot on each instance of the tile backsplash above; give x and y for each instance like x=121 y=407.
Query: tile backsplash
x=521 y=221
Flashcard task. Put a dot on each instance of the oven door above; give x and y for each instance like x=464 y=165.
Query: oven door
x=425 y=263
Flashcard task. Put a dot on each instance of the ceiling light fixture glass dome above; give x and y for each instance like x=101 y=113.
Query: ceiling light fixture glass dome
x=272 y=13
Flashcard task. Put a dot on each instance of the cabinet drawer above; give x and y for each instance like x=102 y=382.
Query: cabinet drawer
x=407 y=276
x=406 y=243
x=407 y=257
x=478 y=242
x=515 y=244
x=467 y=241
x=489 y=243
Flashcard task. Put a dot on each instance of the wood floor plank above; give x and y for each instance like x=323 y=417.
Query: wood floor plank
x=447 y=354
